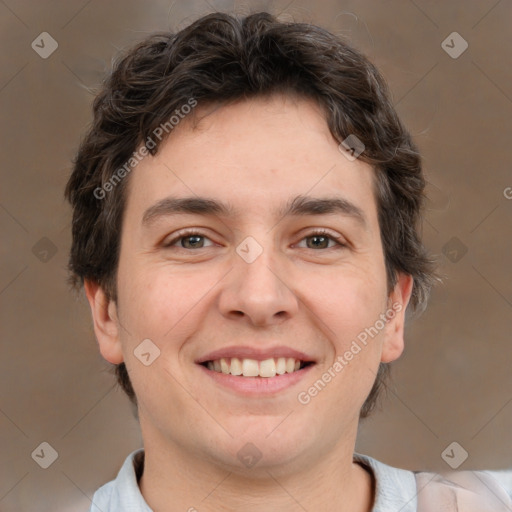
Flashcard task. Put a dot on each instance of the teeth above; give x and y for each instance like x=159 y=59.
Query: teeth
x=268 y=368
x=250 y=368
x=281 y=365
x=224 y=365
x=253 y=368
x=236 y=366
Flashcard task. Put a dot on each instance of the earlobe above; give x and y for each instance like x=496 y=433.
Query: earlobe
x=104 y=315
x=393 y=345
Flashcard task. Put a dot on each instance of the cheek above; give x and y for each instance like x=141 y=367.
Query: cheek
x=347 y=302
x=159 y=303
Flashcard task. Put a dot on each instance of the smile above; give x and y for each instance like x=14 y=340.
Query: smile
x=251 y=382
x=253 y=368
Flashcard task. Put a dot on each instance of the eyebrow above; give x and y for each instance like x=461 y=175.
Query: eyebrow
x=298 y=206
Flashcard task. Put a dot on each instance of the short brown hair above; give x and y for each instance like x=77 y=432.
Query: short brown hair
x=219 y=59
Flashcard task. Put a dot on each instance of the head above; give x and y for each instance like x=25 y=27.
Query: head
x=250 y=112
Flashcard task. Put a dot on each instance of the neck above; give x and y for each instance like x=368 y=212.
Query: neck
x=175 y=479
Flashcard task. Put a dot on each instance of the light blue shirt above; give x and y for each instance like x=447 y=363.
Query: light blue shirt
x=397 y=490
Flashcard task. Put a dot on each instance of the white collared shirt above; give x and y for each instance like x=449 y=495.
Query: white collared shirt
x=397 y=490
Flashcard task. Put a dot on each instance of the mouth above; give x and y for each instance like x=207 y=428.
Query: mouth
x=251 y=371
x=246 y=367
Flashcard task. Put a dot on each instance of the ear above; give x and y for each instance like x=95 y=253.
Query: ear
x=104 y=315
x=393 y=345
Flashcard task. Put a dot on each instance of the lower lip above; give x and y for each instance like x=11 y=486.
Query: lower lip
x=254 y=386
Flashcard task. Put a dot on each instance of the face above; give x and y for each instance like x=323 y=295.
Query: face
x=252 y=242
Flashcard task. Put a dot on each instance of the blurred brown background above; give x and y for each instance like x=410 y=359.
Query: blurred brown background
x=453 y=384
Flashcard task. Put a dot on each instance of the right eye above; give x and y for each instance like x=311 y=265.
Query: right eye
x=192 y=237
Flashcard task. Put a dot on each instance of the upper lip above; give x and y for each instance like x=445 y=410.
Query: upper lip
x=246 y=352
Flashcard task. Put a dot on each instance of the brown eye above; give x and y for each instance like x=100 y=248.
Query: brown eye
x=318 y=242
x=192 y=242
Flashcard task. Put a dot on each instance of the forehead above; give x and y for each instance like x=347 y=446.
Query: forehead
x=255 y=156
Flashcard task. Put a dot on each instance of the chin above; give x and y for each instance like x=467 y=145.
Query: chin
x=261 y=448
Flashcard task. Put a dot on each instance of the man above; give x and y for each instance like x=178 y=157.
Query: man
x=246 y=207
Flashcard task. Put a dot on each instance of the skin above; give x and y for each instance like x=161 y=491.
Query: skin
x=256 y=154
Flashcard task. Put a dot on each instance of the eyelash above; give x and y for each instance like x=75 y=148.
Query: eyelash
x=190 y=233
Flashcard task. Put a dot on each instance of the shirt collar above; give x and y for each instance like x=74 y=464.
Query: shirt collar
x=123 y=493
x=395 y=488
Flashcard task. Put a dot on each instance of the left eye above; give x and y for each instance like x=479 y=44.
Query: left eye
x=320 y=238
x=195 y=240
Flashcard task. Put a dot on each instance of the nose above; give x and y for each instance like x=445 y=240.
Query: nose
x=260 y=292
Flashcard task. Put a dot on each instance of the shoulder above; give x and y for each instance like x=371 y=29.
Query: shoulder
x=463 y=491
